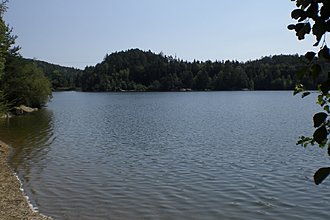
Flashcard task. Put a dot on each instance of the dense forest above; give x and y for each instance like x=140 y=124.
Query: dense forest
x=139 y=70
x=30 y=82
x=61 y=78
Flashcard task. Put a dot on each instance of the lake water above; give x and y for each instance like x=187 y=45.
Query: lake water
x=207 y=155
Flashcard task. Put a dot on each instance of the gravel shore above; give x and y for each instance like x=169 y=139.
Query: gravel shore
x=13 y=203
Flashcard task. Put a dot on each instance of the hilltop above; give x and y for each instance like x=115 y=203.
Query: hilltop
x=137 y=70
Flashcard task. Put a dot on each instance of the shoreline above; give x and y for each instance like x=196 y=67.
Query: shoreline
x=13 y=202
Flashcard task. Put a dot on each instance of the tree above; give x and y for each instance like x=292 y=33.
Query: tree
x=313 y=18
x=201 y=80
x=187 y=79
x=7 y=40
x=21 y=82
x=25 y=84
x=4 y=105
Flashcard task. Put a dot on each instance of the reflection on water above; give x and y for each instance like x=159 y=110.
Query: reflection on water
x=30 y=137
x=214 y=155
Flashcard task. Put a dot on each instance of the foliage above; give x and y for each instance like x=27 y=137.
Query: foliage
x=313 y=18
x=25 y=84
x=7 y=40
x=61 y=78
x=156 y=72
x=4 y=104
x=21 y=82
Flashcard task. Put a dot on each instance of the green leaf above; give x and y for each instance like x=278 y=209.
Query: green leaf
x=325 y=11
x=319 y=119
x=320 y=135
x=298 y=2
x=310 y=56
x=298 y=89
x=324 y=54
x=319 y=29
x=291 y=27
x=297 y=13
x=325 y=87
x=305 y=94
x=303 y=3
x=313 y=10
x=299 y=26
x=327 y=108
x=320 y=100
x=321 y=175
x=303 y=16
x=302 y=30
x=304 y=141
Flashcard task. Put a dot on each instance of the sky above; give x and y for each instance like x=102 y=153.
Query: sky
x=79 y=33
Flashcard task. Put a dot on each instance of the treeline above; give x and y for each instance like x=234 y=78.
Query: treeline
x=139 y=70
x=61 y=78
x=31 y=82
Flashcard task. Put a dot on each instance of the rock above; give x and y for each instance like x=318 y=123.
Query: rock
x=24 y=109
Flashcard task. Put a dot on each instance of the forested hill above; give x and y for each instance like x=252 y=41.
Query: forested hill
x=137 y=70
x=146 y=71
x=61 y=78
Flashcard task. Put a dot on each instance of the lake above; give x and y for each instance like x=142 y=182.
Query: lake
x=198 y=155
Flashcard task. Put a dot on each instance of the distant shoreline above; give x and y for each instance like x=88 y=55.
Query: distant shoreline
x=13 y=203
x=179 y=91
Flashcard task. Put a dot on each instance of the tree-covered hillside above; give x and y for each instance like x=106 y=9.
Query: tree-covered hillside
x=61 y=78
x=139 y=70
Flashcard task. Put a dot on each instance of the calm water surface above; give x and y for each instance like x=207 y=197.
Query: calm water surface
x=212 y=155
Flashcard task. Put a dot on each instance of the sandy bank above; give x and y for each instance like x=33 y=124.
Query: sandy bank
x=13 y=204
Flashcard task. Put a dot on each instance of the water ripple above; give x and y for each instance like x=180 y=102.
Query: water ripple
x=221 y=155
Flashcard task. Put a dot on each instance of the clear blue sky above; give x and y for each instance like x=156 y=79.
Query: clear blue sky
x=80 y=32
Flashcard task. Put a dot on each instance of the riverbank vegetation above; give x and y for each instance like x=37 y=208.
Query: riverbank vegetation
x=21 y=82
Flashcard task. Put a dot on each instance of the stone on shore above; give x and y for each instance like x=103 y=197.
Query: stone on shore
x=22 y=109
